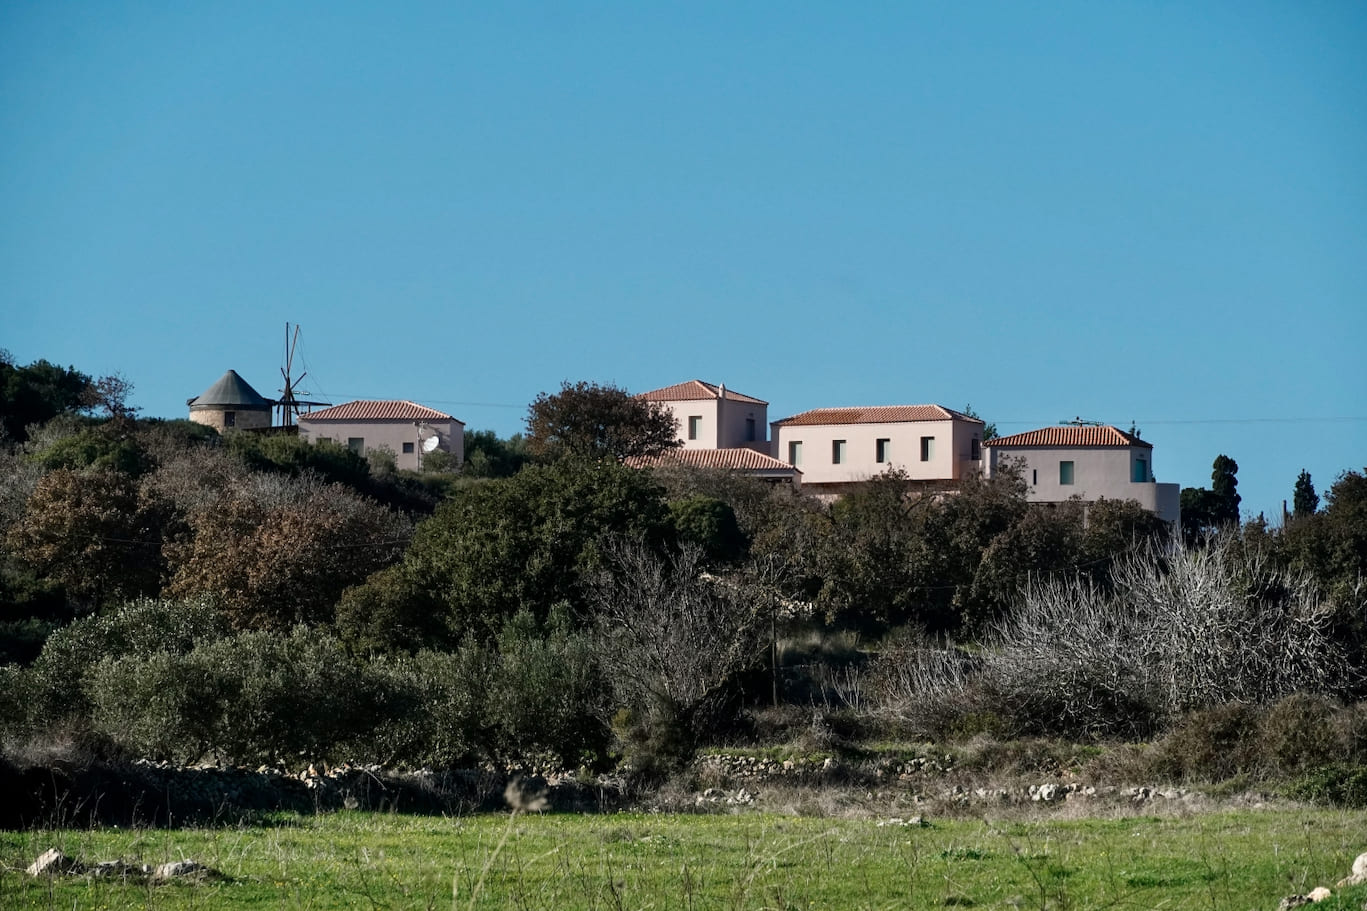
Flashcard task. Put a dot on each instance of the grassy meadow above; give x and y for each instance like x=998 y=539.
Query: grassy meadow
x=1237 y=860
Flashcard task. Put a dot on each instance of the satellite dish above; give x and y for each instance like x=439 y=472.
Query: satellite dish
x=430 y=443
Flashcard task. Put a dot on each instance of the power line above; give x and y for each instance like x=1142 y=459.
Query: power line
x=1339 y=419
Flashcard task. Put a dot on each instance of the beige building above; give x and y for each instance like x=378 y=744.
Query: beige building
x=714 y=417
x=836 y=447
x=1088 y=462
x=231 y=404
x=404 y=428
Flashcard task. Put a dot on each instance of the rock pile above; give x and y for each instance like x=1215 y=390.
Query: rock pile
x=1357 y=877
x=53 y=862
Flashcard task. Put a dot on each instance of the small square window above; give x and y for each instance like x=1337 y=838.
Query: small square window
x=694 y=426
x=882 y=451
x=837 y=452
x=230 y=419
x=795 y=452
x=927 y=448
x=356 y=444
x=1065 y=472
x=408 y=448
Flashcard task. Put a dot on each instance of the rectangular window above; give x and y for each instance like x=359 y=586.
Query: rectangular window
x=837 y=452
x=975 y=449
x=1065 y=472
x=694 y=426
x=882 y=450
x=356 y=444
x=230 y=419
x=749 y=430
x=1141 y=471
x=927 y=448
x=408 y=448
x=795 y=452
x=1034 y=477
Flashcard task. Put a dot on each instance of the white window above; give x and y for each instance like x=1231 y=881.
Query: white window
x=794 y=452
x=694 y=426
x=837 y=452
x=927 y=448
x=882 y=451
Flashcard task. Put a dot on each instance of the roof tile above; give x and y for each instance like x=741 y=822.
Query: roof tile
x=1071 y=435
x=377 y=410
x=694 y=390
x=736 y=459
x=882 y=414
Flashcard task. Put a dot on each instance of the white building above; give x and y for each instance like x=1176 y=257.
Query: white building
x=404 y=428
x=1089 y=462
x=836 y=447
x=714 y=417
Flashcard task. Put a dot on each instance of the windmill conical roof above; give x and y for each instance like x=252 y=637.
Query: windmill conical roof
x=231 y=389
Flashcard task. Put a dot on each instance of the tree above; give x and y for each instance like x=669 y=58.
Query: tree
x=508 y=544
x=1224 y=485
x=593 y=421
x=672 y=643
x=1199 y=508
x=37 y=393
x=488 y=456
x=1305 y=501
x=93 y=532
x=989 y=428
x=278 y=551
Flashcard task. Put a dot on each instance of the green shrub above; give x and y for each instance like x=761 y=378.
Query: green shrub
x=1211 y=745
x=139 y=628
x=436 y=707
x=159 y=707
x=1299 y=732
x=1338 y=785
x=547 y=695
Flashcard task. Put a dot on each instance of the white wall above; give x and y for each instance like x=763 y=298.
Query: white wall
x=1098 y=471
x=723 y=423
x=949 y=450
x=391 y=435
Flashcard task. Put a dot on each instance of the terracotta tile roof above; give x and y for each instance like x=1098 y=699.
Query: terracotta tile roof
x=370 y=410
x=1071 y=435
x=882 y=414
x=694 y=390
x=731 y=459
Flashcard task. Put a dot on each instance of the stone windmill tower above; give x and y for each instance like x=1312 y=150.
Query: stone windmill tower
x=231 y=403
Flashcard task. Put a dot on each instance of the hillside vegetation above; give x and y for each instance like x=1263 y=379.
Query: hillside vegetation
x=244 y=600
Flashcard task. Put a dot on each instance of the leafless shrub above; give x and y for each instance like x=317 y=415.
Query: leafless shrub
x=671 y=639
x=1176 y=629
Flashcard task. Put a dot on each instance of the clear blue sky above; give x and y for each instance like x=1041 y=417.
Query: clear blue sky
x=1151 y=212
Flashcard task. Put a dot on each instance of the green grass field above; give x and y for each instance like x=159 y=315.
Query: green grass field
x=1241 y=860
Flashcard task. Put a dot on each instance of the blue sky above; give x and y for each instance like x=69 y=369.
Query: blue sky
x=1151 y=212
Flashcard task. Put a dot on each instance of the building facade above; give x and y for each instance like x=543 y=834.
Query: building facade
x=406 y=429
x=714 y=417
x=837 y=447
x=1089 y=462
